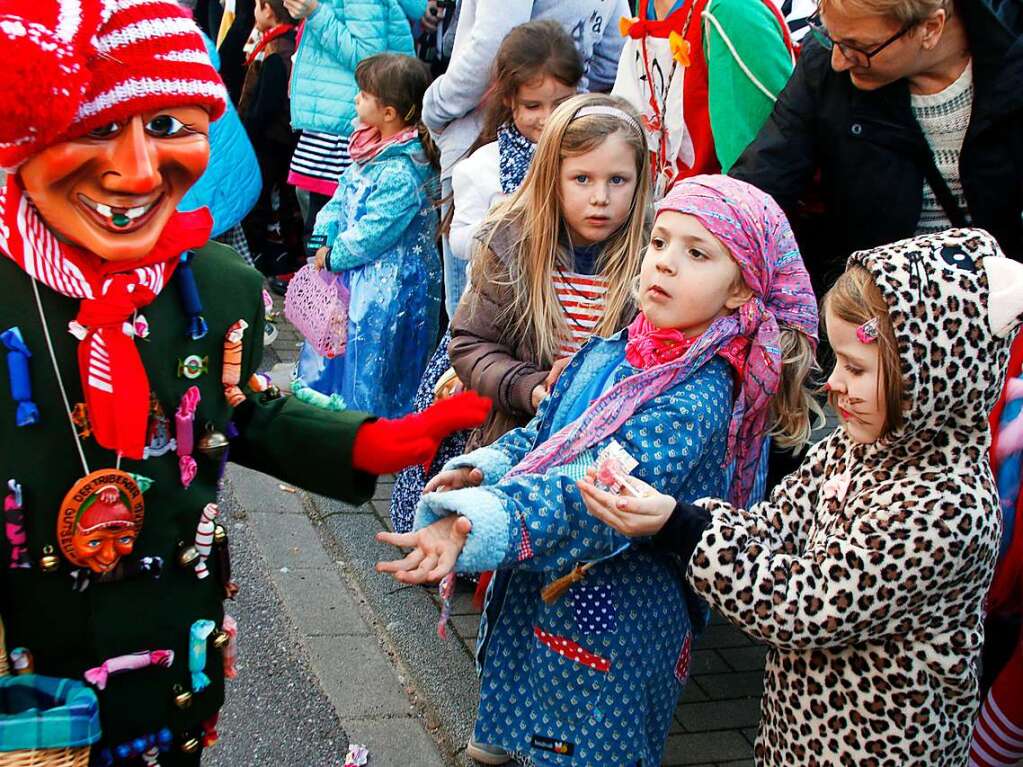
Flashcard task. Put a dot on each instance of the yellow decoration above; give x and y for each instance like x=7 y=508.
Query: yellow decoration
x=625 y=24
x=226 y=21
x=680 y=50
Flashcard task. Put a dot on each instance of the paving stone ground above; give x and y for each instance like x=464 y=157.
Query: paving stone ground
x=715 y=723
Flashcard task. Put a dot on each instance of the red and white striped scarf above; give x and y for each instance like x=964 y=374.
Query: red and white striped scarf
x=113 y=379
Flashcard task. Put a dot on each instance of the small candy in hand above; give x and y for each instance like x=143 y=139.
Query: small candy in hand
x=614 y=464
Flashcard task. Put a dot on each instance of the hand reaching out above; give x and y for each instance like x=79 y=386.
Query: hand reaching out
x=454 y=479
x=542 y=390
x=632 y=516
x=435 y=549
x=555 y=372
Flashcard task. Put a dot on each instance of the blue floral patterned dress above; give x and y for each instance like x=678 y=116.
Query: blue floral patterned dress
x=593 y=678
x=381 y=226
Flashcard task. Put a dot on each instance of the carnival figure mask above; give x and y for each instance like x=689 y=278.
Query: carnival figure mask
x=105 y=531
x=112 y=191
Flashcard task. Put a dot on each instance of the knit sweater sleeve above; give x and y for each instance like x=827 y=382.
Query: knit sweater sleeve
x=748 y=65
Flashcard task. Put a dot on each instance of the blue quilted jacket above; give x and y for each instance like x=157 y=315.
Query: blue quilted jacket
x=336 y=37
x=591 y=679
x=231 y=183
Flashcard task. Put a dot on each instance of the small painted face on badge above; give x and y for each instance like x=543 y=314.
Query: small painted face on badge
x=112 y=191
x=105 y=531
x=100 y=518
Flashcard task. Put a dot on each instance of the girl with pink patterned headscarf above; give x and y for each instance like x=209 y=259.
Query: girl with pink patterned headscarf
x=592 y=629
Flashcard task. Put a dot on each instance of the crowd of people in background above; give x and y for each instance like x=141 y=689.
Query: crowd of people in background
x=499 y=185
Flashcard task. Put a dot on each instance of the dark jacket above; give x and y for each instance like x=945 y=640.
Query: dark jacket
x=867 y=147
x=70 y=631
x=264 y=106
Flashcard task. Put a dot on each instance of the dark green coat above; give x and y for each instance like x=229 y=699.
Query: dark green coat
x=68 y=631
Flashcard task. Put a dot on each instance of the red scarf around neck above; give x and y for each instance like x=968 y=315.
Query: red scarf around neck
x=113 y=379
x=271 y=34
x=649 y=346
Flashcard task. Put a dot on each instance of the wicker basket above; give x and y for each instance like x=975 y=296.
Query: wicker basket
x=46 y=757
x=41 y=757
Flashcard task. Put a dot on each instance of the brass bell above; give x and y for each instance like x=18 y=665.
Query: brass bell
x=212 y=444
x=219 y=534
x=220 y=639
x=182 y=697
x=188 y=556
x=48 y=562
x=190 y=746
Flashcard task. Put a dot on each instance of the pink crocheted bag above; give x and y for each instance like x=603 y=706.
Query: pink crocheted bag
x=317 y=305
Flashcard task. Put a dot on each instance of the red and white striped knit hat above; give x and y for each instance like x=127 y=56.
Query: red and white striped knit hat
x=68 y=67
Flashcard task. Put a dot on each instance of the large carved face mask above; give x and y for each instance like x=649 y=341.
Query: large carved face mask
x=112 y=191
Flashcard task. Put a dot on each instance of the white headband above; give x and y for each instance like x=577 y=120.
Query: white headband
x=602 y=109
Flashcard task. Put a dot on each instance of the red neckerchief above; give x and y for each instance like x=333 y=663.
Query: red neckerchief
x=271 y=34
x=113 y=379
x=649 y=346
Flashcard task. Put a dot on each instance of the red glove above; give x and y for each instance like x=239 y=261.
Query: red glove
x=384 y=446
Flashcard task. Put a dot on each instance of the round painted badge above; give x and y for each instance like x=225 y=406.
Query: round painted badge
x=99 y=520
x=193 y=366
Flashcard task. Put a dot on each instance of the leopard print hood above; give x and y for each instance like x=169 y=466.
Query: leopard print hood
x=953 y=330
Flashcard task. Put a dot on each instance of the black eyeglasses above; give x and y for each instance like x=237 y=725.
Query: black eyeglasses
x=858 y=56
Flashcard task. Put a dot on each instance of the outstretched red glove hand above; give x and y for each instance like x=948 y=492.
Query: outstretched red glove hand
x=385 y=446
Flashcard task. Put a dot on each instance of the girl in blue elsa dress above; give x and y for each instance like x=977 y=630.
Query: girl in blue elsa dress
x=378 y=233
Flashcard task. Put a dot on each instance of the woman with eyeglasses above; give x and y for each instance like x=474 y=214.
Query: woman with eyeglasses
x=902 y=117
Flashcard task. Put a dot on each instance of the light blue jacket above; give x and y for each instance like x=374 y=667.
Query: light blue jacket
x=381 y=226
x=591 y=679
x=231 y=183
x=336 y=37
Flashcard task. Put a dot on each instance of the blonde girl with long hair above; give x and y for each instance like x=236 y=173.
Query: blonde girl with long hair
x=592 y=644
x=555 y=260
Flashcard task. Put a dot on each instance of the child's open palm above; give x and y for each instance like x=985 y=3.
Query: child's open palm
x=435 y=549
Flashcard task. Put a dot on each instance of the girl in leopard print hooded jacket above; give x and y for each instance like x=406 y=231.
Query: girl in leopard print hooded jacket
x=866 y=570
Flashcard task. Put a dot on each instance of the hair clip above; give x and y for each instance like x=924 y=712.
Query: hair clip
x=867 y=332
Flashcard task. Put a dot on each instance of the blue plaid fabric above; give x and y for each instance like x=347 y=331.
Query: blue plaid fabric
x=46 y=712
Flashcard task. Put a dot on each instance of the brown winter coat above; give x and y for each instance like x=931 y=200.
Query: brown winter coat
x=490 y=354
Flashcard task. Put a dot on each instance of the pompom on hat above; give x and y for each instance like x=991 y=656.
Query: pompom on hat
x=71 y=66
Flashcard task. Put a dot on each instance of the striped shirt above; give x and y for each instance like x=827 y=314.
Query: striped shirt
x=318 y=162
x=944 y=118
x=583 y=301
